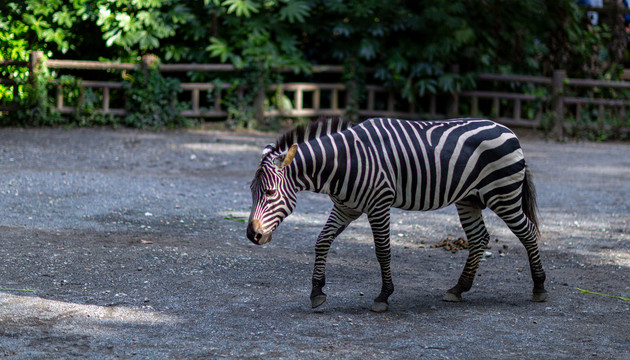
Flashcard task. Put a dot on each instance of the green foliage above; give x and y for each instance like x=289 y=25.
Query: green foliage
x=139 y=25
x=45 y=24
x=417 y=41
x=295 y=11
x=85 y=102
x=260 y=36
x=152 y=100
x=36 y=107
x=128 y=28
x=593 y=125
x=13 y=46
x=415 y=48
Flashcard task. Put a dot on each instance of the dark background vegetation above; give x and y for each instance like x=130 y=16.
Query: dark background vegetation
x=410 y=46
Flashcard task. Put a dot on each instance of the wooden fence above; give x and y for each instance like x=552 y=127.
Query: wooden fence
x=499 y=97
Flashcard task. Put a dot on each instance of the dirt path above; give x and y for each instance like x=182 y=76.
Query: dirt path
x=123 y=238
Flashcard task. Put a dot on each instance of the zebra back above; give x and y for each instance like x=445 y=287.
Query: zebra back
x=315 y=129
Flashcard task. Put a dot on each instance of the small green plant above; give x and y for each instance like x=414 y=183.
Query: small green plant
x=239 y=105
x=9 y=289
x=582 y=291
x=241 y=219
x=86 y=114
x=548 y=120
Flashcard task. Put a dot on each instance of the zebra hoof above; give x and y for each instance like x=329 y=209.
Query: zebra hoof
x=540 y=297
x=450 y=297
x=380 y=307
x=318 y=300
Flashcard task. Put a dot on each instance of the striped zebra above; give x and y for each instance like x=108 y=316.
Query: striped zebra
x=413 y=165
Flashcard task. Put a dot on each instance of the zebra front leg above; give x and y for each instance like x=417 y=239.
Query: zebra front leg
x=380 y=230
x=337 y=221
x=478 y=237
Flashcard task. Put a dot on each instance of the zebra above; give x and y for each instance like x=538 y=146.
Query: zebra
x=382 y=163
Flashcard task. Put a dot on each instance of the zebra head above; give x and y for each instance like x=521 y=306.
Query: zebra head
x=273 y=196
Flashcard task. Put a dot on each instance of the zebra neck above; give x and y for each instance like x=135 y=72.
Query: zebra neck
x=313 y=171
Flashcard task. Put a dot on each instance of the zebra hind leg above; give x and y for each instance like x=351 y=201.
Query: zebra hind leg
x=527 y=233
x=478 y=237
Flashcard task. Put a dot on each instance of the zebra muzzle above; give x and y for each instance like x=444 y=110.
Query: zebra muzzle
x=257 y=234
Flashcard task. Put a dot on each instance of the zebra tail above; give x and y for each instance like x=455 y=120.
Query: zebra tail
x=529 y=200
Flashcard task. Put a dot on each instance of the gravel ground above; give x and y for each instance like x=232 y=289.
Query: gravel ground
x=132 y=246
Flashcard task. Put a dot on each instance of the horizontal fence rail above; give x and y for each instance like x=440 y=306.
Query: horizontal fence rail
x=13 y=62
x=516 y=78
x=497 y=96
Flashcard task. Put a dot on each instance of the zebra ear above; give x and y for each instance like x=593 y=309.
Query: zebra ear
x=290 y=155
x=286 y=159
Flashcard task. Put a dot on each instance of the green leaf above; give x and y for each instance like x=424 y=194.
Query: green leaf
x=241 y=7
x=287 y=43
x=123 y=19
x=9 y=289
x=112 y=37
x=367 y=49
x=284 y=103
x=342 y=29
x=148 y=41
x=423 y=69
x=582 y=291
x=446 y=83
x=397 y=63
x=336 y=6
x=295 y=11
x=464 y=35
x=426 y=85
x=219 y=48
x=64 y=17
x=36 y=24
x=377 y=29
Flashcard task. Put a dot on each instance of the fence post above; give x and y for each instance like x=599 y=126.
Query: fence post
x=432 y=106
x=259 y=101
x=147 y=62
x=35 y=59
x=59 y=101
x=475 y=105
x=16 y=95
x=334 y=99
x=557 y=96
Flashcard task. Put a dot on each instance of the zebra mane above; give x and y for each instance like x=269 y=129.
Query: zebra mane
x=315 y=129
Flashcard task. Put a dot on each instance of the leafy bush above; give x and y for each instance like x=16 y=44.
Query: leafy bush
x=151 y=100
x=35 y=107
x=411 y=47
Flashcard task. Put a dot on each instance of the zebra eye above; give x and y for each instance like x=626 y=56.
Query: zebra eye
x=270 y=192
